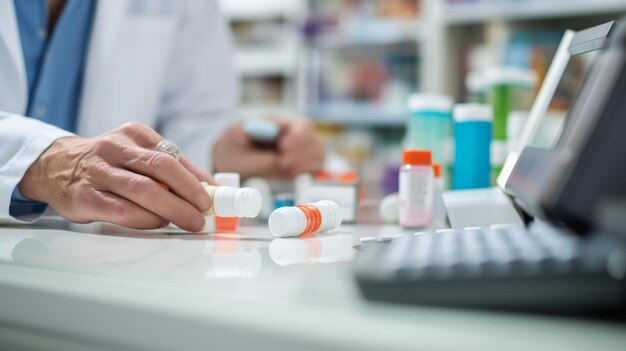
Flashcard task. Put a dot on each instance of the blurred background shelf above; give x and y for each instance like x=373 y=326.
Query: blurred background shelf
x=267 y=61
x=473 y=12
x=372 y=33
x=362 y=115
x=246 y=10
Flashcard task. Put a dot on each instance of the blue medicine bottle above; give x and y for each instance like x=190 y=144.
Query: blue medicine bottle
x=472 y=150
x=430 y=123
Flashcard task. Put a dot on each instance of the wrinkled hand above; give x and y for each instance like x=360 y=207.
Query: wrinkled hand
x=298 y=150
x=115 y=178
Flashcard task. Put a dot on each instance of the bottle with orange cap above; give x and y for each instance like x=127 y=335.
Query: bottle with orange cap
x=439 y=209
x=416 y=189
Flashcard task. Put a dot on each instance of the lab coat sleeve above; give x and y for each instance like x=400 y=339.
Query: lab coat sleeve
x=22 y=141
x=201 y=87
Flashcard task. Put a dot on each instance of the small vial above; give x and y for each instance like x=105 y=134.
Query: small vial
x=439 y=209
x=228 y=201
x=416 y=189
x=227 y=224
x=310 y=218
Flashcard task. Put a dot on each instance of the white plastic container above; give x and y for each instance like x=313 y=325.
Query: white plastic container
x=227 y=224
x=315 y=217
x=416 y=189
x=233 y=202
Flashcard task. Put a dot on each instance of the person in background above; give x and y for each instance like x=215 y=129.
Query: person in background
x=89 y=88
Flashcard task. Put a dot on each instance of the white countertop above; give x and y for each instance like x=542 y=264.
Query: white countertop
x=100 y=286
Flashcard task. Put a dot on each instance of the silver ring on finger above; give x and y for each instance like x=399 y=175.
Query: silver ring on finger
x=169 y=147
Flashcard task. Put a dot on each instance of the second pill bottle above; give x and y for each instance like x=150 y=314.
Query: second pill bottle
x=227 y=224
x=416 y=189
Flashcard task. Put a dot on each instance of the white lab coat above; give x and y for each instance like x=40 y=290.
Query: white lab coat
x=164 y=63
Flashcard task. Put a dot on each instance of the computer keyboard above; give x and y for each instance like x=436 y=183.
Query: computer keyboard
x=541 y=268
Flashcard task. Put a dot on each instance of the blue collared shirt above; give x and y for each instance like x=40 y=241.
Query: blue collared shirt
x=54 y=69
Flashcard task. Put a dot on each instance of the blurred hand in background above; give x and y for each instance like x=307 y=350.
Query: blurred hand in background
x=297 y=150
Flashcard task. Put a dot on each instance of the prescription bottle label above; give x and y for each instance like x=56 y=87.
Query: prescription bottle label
x=416 y=197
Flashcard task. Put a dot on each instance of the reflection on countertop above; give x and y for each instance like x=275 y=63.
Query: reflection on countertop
x=169 y=255
x=321 y=248
x=149 y=255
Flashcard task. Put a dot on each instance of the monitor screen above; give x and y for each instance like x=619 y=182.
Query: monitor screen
x=554 y=120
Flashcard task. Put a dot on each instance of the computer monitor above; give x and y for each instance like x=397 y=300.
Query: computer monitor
x=588 y=162
x=543 y=165
x=564 y=77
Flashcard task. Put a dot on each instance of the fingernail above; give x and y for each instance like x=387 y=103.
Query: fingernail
x=197 y=223
x=203 y=201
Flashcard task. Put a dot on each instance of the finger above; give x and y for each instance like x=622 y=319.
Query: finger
x=141 y=134
x=201 y=175
x=108 y=207
x=165 y=169
x=147 y=193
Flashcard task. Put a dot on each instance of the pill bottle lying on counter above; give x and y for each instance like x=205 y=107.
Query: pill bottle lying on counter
x=305 y=219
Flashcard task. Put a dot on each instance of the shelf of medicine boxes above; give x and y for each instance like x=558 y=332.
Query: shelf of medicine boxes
x=358 y=114
x=357 y=35
x=476 y=12
x=371 y=33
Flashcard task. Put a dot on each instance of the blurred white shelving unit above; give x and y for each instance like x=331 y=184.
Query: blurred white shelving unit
x=361 y=114
x=486 y=11
x=449 y=26
x=275 y=58
x=261 y=62
x=439 y=33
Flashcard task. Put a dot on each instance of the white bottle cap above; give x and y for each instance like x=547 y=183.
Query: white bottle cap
x=291 y=221
x=430 y=102
x=473 y=112
x=287 y=221
x=236 y=202
x=227 y=179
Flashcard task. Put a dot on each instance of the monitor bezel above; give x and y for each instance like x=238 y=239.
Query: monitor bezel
x=573 y=43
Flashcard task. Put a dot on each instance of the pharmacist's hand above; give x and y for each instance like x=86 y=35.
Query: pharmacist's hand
x=298 y=150
x=301 y=150
x=115 y=178
x=236 y=152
